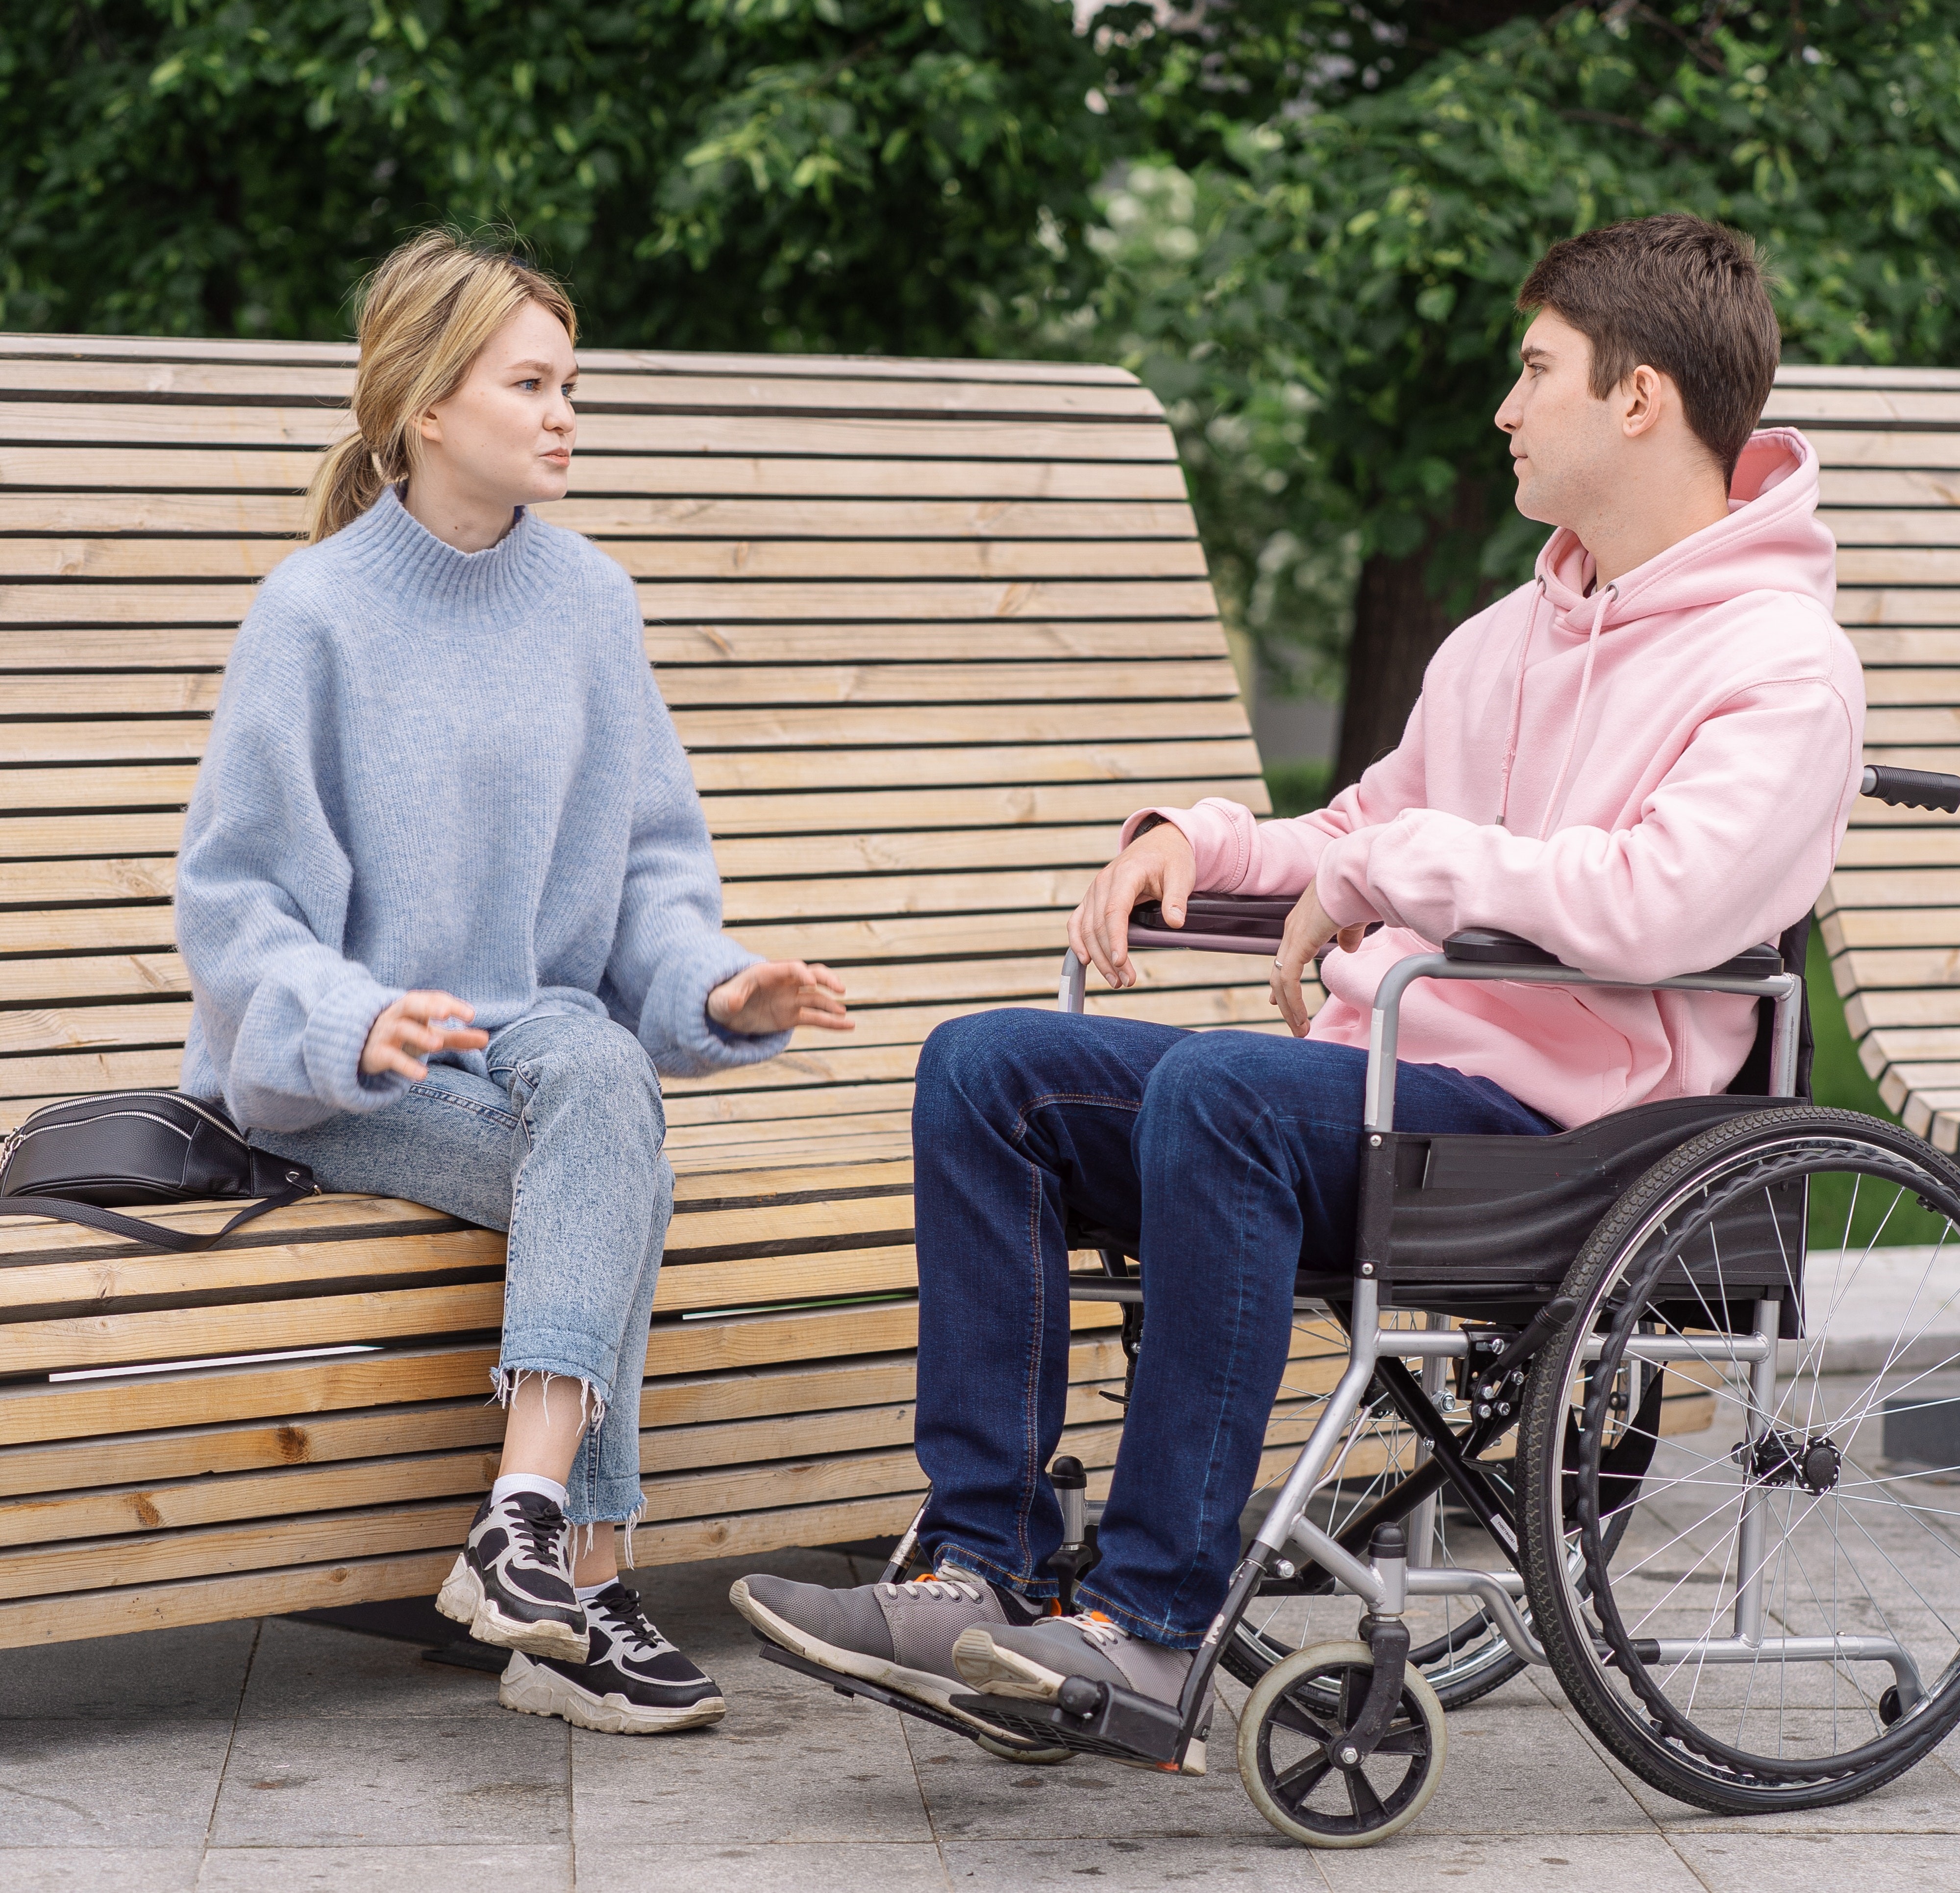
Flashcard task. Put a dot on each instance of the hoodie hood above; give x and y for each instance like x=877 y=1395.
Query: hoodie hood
x=1771 y=540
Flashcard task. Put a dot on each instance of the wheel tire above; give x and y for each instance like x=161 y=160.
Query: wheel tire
x=1317 y=1671
x=1033 y=1757
x=1632 y=1729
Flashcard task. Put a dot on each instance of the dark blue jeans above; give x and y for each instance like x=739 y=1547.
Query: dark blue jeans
x=1234 y=1153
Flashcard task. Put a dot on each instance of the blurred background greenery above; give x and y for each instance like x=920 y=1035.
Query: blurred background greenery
x=1301 y=222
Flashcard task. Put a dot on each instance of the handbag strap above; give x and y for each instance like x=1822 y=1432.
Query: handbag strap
x=112 y=1223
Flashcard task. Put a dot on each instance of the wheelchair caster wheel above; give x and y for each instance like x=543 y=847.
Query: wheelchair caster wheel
x=1033 y=1757
x=1890 y=1705
x=1288 y=1758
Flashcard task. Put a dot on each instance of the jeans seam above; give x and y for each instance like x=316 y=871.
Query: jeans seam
x=1031 y=1385
x=1020 y=1129
x=439 y=1094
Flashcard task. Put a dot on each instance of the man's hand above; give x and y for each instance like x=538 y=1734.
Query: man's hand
x=416 y=1025
x=1308 y=930
x=1158 y=866
x=779 y=994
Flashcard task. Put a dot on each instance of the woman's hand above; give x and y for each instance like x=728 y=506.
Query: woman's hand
x=777 y=995
x=416 y=1024
x=1157 y=866
x=1308 y=930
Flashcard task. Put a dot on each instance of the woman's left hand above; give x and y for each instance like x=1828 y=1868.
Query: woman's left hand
x=779 y=994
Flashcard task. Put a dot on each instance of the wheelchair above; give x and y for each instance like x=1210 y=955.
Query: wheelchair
x=1659 y=1404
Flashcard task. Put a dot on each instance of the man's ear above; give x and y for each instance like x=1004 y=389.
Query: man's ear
x=1644 y=398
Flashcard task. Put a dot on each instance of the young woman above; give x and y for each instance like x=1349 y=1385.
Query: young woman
x=446 y=898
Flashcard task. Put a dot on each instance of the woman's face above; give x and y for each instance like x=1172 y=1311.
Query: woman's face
x=505 y=436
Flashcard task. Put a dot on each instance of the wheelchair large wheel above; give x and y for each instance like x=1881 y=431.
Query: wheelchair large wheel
x=1779 y=1627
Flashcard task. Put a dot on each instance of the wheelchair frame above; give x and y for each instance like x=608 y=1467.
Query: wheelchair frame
x=1390 y=1575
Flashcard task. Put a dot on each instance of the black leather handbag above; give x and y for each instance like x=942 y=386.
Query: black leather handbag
x=73 y=1162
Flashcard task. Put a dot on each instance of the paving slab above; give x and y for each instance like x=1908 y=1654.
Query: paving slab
x=1136 y=1866
x=86 y=1869
x=339 y=1781
x=764 y=1866
x=309 y=1670
x=147 y=1783
x=426 y=1869
x=1415 y=1861
x=180 y=1673
x=1757 y=1863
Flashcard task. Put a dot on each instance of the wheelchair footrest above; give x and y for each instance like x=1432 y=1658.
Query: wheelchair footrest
x=1123 y=1726
x=887 y=1698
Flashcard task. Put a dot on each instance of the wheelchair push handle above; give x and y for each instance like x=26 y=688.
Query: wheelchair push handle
x=1911 y=788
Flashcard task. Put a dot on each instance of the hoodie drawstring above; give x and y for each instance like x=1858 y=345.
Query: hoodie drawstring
x=1517 y=705
x=1585 y=685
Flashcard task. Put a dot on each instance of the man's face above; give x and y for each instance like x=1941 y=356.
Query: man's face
x=1565 y=443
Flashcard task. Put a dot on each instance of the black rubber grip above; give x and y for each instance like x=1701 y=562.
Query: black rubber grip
x=1913 y=788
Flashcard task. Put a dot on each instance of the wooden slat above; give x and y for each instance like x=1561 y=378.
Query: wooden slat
x=283 y=516
x=940 y=438
x=819 y=561
x=1004 y=767
x=169 y=349
x=924 y=829
x=769 y=727
x=146 y=694
x=600 y=390
x=687 y=474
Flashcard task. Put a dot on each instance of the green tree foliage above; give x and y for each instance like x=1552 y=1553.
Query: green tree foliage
x=810 y=174
x=1328 y=308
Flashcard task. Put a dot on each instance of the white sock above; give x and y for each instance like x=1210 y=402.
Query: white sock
x=527 y=1482
x=585 y=1593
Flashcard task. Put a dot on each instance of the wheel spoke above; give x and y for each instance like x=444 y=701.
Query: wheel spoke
x=1363 y=1799
x=1293 y=1787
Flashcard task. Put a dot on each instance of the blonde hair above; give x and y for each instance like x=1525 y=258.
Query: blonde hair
x=425 y=315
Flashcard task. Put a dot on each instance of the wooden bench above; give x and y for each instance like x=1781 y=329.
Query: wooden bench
x=929 y=631
x=1890 y=442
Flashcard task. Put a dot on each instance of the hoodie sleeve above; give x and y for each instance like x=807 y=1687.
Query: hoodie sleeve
x=1238 y=853
x=669 y=951
x=1757 y=799
x=262 y=893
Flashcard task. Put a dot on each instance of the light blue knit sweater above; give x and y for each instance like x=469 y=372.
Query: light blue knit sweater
x=432 y=769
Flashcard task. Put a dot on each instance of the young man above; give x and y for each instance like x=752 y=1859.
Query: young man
x=1642 y=761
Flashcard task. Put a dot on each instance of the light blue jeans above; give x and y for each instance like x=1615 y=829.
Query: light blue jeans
x=560 y=1146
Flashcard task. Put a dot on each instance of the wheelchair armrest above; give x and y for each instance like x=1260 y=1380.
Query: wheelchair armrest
x=1490 y=946
x=1254 y=922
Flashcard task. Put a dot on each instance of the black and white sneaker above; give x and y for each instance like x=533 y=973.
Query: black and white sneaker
x=512 y=1582
x=637 y=1683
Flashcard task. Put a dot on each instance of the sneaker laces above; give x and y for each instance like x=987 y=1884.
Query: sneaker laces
x=632 y=1627
x=950 y=1585
x=1097 y=1630
x=538 y=1531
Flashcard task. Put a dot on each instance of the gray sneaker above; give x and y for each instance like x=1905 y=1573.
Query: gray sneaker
x=1032 y=1662
x=900 y=1636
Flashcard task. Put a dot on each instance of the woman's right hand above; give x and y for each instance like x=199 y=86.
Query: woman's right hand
x=416 y=1025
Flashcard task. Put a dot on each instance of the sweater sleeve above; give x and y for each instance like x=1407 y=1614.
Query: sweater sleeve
x=1238 y=853
x=669 y=951
x=262 y=894
x=1756 y=801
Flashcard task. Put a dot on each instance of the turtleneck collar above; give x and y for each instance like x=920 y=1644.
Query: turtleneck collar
x=389 y=545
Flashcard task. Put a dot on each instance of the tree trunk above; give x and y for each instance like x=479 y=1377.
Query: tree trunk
x=1398 y=626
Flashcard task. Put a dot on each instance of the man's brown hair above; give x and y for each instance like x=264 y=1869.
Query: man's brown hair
x=1676 y=293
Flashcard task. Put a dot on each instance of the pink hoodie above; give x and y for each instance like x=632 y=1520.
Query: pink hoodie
x=1644 y=781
